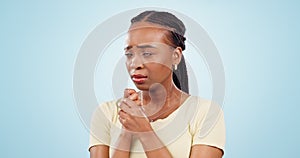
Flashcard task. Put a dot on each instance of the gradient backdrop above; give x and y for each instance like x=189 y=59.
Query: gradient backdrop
x=39 y=41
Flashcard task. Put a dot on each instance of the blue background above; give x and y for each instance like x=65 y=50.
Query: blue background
x=258 y=42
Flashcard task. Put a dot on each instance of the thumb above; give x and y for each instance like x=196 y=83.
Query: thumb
x=128 y=92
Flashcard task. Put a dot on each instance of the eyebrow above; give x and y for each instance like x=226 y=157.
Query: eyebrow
x=140 y=46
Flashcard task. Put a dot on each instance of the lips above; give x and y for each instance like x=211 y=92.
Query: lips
x=138 y=78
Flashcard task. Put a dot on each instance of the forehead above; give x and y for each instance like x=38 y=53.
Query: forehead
x=142 y=33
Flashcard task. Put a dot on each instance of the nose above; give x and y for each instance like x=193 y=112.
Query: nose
x=136 y=62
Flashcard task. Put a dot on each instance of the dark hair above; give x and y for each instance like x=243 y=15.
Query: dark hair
x=176 y=37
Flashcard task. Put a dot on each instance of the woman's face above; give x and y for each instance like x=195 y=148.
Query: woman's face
x=148 y=57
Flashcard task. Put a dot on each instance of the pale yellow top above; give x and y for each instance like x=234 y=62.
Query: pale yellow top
x=196 y=121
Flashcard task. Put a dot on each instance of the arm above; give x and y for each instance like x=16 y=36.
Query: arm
x=148 y=141
x=122 y=147
x=99 y=135
x=132 y=120
x=121 y=151
x=208 y=143
x=99 y=151
x=153 y=146
x=205 y=151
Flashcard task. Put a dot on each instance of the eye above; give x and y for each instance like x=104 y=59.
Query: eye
x=147 y=54
x=128 y=54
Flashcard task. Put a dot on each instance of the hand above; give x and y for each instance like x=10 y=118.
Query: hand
x=131 y=115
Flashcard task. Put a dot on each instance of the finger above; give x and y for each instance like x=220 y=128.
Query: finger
x=128 y=92
x=129 y=103
x=123 y=122
x=123 y=106
x=123 y=114
x=134 y=96
x=124 y=119
x=138 y=102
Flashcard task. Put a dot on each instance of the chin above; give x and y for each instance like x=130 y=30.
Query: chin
x=148 y=87
x=142 y=87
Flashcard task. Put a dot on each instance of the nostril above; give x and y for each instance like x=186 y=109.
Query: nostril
x=136 y=63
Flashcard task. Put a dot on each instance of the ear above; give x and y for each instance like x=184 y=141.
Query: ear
x=177 y=54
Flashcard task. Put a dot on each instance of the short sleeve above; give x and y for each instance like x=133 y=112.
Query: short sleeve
x=101 y=123
x=209 y=127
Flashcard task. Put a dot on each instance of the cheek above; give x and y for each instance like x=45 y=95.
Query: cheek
x=157 y=71
x=127 y=64
x=163 y=61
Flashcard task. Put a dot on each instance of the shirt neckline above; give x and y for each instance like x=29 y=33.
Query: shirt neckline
x=174 y=113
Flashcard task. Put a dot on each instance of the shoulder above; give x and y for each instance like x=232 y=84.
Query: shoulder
x=203 y=105
x=109 y=109
x=109 y=105
x=208 y=125
x=207 y=112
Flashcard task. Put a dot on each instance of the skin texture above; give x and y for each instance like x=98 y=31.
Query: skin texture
x=149 y=53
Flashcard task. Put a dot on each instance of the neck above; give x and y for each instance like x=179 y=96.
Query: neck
x=158 y=93
x=160 y=101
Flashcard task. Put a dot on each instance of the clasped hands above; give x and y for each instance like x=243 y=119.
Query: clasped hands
x=131 y=114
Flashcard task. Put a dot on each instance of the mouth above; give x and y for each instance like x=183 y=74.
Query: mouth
x=138 y=78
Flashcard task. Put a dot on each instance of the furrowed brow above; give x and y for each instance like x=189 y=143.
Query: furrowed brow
x=140 y=46
x=127 y=48
x=145 y=46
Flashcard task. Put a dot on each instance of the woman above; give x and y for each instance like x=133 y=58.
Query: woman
x=162 y=119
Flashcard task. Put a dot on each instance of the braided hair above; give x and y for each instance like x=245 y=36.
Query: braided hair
x=175 y=35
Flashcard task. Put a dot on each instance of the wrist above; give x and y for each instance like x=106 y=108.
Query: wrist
x=149 y=140
x=145 y=136
x=125 y=134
